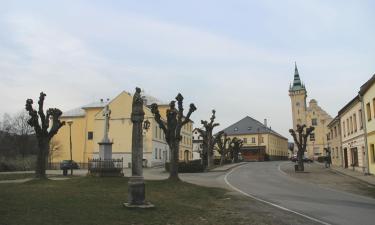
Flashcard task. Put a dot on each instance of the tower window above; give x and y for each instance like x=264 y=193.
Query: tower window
x=90 y=135
x=314 y=122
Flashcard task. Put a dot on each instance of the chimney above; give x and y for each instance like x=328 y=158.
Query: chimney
x=101 y=100
x=265 y=122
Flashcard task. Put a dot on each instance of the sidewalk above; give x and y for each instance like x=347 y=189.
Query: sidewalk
x=370 y=179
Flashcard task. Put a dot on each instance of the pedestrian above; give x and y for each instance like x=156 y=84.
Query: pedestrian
x=328 y=158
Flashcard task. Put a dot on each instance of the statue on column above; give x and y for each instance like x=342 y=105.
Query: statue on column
x=136 y=184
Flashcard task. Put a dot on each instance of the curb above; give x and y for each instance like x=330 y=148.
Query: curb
x=345 y=174
x=226 y=170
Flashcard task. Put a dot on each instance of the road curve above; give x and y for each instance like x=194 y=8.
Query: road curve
x=264 y=181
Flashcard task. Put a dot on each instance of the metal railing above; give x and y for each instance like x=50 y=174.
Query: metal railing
x=104 y=165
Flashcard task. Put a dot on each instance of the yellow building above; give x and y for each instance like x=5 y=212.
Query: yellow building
x=259 y=141
x=367 y=95
x=334 y=142
x=88 y=128
x=312 y=115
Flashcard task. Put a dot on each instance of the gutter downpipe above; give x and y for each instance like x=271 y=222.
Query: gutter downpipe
x=367 y=172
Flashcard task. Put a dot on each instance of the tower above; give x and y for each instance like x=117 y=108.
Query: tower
x=298 y=95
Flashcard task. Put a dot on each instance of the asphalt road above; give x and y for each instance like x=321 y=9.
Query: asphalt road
x=265 y=181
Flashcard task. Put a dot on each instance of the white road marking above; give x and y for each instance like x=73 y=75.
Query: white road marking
x=267 y=202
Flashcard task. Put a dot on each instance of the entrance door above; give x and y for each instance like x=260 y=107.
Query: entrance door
x=186 y=156
x=346 y=158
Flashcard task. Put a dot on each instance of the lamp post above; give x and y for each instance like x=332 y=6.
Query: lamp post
x=70 y=122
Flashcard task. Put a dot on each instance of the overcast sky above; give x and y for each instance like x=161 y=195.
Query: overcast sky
x=234 y=56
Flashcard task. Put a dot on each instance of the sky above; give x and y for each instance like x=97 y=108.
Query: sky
x=233 y=56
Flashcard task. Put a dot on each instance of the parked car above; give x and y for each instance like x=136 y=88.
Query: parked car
x=68 y=164
x=305 y=159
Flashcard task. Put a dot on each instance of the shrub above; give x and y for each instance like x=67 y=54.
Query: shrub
x=226 y=161
x=194 y=166
x=17 y=163
x=321 y=159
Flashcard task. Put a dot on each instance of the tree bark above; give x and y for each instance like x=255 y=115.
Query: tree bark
x=222 y=159
x=173 y=168
x=301 y=166
x=42 y=157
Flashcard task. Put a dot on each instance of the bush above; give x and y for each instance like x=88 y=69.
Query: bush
x=194 y=166
x=226 y=161
x=17 y=163
x=321 y=159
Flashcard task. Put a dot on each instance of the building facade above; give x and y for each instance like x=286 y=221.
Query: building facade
x=311 y=115
x=334 y=142
x=197 y=144
x=367 y=95
x=259 y=141
x=353 y=135
x=88 y=129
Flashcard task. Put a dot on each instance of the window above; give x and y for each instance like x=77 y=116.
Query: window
x=253 y=140
x=372 y=151
x=245 y=140
x=90 y=135
x=373 y=105
x=335 y=129
x=348 y=126
x=314 y=122
x=312 y=137
x=368 y=111
x=156 y=153
x=159 y=153
x=235 y=129
x=261 y=139
x=351 y=125
x=355 y=122
x=360 y=119
x=343 y=128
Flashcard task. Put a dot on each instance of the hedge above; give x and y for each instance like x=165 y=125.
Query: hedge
x=194 y=166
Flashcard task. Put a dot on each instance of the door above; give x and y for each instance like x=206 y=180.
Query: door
x=346 y=158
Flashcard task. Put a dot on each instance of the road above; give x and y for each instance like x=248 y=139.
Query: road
x=265 y=181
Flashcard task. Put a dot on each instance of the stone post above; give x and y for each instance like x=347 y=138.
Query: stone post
x=136 y=184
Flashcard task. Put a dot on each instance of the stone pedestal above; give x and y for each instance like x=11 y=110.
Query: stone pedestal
x=105 y=150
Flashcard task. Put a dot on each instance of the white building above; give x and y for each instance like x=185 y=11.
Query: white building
x=197 y=144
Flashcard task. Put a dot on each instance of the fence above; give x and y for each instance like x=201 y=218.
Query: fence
x=56 y=166
x=105 y=165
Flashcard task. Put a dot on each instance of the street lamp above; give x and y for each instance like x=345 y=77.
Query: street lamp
x=70 y=122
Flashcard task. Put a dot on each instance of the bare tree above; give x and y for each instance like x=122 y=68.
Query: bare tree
x=44 y=132
x=301 y=142
x=172 y=129
x=208 y=140
x=223 y=148
x=235 y=145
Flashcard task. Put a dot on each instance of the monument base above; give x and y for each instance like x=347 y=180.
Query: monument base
x=136 y=193
x=105 y=150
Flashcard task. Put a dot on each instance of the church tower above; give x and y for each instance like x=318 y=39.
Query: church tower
x=298 y=95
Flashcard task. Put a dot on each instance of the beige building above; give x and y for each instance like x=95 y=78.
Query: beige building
x=334 y=141
x=259 y=141
x=311 y=115
x=353 y=138
x=88 y=129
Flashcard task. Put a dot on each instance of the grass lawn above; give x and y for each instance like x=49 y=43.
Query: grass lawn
x=15 y=176
x=90 y=200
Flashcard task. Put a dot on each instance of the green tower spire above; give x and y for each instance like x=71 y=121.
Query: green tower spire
x=297 y=84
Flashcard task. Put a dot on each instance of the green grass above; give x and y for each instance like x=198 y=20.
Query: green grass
x=15 y=176
x=92 y=200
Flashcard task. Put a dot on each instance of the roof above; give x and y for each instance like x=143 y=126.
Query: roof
x=249 y=125
x=148 y=100
x=334 y=121
x=297 y=83
x=349 y=105
x=367 y=85
x=80 y=111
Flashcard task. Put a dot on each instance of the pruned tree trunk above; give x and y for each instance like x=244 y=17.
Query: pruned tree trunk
x=44 y=132
x=42 y=158
x=301 y=143
x=172 y=129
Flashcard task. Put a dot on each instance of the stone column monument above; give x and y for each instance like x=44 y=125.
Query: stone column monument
x=105 y=146
x=136 y=184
